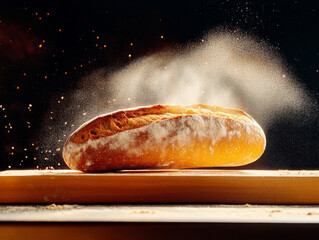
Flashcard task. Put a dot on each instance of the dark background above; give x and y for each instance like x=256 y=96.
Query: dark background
x=46 y=47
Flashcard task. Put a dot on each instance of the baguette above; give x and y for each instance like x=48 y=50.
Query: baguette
x=165 y=136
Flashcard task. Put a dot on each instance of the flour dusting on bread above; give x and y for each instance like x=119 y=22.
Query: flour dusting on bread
x=175 y=132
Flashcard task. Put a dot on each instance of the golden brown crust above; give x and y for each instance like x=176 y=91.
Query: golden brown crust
x=165 y=137
x=110 y=124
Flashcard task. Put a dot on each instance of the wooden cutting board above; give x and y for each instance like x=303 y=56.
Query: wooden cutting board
x=160 y=186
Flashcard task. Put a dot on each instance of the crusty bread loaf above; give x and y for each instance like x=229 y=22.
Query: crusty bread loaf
x=165 y=136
